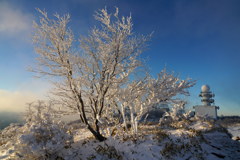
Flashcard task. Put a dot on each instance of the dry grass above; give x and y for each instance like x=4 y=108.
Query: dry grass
x=108 y=151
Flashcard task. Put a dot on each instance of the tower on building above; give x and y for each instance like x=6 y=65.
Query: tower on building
x=206 y=109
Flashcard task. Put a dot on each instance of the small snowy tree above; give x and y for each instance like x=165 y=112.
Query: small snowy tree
x=42 y=136
x=141 y=95
x=176 y=114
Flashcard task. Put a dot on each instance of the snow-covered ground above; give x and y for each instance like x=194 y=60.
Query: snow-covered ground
x=200 y=140
x=196 y=143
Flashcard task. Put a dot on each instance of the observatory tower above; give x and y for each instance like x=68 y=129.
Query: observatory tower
x=206 y=109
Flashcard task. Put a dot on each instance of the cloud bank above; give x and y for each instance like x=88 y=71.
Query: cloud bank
x=17 y=100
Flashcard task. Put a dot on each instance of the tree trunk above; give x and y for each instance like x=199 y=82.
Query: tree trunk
x=96 y=134
x=124 y=118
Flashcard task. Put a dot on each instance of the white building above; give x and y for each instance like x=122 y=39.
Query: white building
x=206 y=109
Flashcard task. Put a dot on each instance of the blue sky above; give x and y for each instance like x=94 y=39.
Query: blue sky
x=197 y=39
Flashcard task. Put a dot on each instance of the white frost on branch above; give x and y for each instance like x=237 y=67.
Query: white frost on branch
x=96 y=79
x=141 y=95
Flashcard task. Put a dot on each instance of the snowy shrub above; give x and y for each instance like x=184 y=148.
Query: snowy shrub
x=42 y=137
x=8 y=138
x=181 y=149
x=9 y=133
x=171 y=149
x=109 y=152
x=180 y=124
x=176 y=114
x=161 y=135
x=130 y=137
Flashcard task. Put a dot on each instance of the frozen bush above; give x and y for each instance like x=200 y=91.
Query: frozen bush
x=42 y=137
x=176 y=113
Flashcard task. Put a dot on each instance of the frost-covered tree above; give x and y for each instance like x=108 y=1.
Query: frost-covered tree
x=96 y=77
x=85 y=79
x=141 y=95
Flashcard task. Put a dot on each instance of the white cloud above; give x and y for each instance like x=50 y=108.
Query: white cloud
x=13 y=20
x=16 y=101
